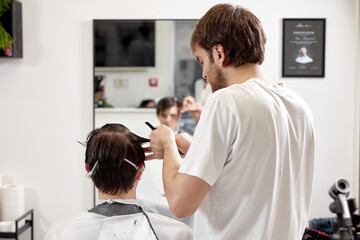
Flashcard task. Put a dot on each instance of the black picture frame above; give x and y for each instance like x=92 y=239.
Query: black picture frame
x=303 y=47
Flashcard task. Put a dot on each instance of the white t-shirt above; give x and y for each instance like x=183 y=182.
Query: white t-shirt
x=254 y=144
x=150 y=192
x=92 y=226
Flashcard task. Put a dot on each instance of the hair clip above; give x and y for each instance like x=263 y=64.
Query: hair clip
x=92 y=172
x=133 y=164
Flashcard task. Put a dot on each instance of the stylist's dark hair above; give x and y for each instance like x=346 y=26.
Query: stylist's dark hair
x=166 y=103
x=238 y=30
x=109 y=145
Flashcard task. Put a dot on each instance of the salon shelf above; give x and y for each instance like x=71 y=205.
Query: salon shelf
x=19 y=230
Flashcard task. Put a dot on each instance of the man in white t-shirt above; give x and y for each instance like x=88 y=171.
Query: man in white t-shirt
x=248 y=170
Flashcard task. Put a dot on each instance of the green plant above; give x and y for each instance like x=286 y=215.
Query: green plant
x=100 y=101
x=5 y=37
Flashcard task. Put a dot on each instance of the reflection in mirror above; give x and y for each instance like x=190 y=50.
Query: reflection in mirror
x=124 y=43
x=137 y=60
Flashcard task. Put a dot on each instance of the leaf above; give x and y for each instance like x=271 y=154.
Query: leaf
x=5 y=38
x=5 y=5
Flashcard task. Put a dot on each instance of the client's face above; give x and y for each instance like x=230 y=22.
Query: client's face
x=170 y=117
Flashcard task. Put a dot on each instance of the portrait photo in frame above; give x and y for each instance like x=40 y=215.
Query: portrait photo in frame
x=303 y=47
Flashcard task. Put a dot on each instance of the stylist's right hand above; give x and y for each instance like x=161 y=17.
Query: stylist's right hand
x=160 y=138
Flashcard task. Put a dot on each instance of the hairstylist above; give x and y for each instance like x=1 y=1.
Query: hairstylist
x=248 y=170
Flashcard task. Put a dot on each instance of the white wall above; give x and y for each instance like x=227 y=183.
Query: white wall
x=46 y=97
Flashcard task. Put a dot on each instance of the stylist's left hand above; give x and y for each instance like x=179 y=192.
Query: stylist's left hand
x=160 y=138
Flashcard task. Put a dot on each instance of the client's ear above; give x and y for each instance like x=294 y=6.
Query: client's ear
x=138 y=175
x=87 y=167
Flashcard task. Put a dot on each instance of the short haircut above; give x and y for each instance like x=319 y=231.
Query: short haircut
x=238 y=30
x=166 y=103
x=109 y=145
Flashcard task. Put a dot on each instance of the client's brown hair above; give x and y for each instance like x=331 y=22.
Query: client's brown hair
x=109 y=145
x=166 y=103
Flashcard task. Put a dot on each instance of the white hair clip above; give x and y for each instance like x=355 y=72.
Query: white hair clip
x=92 y=172
x=133 y=164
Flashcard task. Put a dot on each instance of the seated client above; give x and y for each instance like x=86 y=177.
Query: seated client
x=168 y=113
x=114 y=160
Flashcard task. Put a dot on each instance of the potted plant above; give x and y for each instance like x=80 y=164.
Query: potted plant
x=6 y=40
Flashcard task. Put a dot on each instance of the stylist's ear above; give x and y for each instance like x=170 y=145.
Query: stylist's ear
x=219 y=55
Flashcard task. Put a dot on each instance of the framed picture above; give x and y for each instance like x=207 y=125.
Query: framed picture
x=303 y=47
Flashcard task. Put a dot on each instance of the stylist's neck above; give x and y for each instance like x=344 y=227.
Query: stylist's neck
x=238 y=75
x=120 y=195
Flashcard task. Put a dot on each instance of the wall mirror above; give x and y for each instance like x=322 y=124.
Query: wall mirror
x=141 y=59
x=136 y=60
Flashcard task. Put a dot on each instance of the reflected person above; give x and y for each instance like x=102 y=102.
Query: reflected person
x=168 y=113
x=147 y=103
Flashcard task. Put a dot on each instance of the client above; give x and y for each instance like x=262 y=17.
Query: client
x=114 y=160
x=168 y=113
